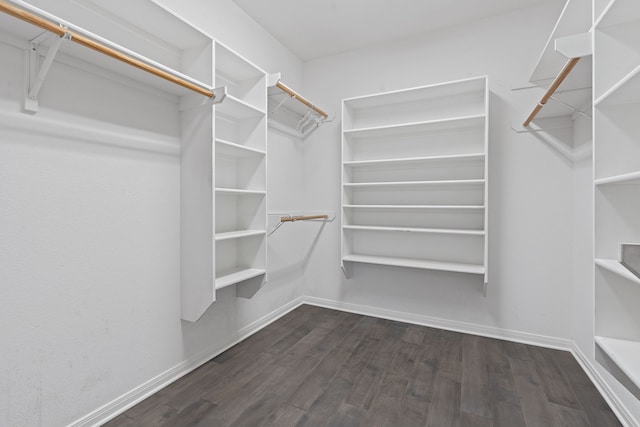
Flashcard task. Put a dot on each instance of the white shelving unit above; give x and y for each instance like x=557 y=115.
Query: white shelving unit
x=414 y=178
x=240 y=171
x=617 y=188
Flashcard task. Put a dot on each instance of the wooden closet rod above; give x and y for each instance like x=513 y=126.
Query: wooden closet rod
x=295 y=95
x=57 y=29
x=554 y=86
x=302 y=218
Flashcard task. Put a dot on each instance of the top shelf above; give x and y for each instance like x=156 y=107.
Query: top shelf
x=575 y=18
x=619 y=12
x=449 y=101
x=160 y=38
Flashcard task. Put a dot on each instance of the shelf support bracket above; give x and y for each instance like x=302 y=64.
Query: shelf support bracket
x=347 y=269
x=37 y=72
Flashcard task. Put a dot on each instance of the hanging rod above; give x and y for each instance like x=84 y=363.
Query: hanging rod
x=48 y=22
x=297 y=96
x=549 y=93
x=302 y=218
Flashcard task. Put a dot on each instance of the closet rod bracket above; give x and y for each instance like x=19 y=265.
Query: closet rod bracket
x=38 y=72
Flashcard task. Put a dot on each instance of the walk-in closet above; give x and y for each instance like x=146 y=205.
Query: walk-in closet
x=346 y=213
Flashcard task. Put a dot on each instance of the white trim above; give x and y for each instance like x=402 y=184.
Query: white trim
x=136 y=395
x=618 y=408
x=450 y=325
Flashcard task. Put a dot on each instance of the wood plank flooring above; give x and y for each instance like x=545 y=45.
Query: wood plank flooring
x=320 y=367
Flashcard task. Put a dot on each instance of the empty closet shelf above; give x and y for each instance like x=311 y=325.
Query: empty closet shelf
x=626 y=91
x=234 y=191
x=451 y=208
x=437 y=125
x=416 y=263
x=415 y=230
x=410 y=184
x=230 y=149
x=231 y=277
x=415 y=160
x=625 y=354
x=238 y=108
x=627 y=178
x=615 y=267
x=238 y=234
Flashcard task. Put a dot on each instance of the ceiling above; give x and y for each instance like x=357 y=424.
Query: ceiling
x=316 y=28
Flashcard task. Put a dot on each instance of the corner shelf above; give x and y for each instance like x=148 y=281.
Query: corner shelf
x=632 y=178
x=614 y=266
x=625 y=354
x=414 y=178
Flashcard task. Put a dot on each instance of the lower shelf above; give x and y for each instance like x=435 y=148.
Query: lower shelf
x=232 y=277
x=417 y=263
x=625 y=354
x=614 y=266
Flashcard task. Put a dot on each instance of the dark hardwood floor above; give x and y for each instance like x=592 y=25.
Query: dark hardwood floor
x=319 y=367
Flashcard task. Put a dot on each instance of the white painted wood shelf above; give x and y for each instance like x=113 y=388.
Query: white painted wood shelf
x=478 y=208
x=240 y=192
x=417 y=127
x=414 y=178
x=415 y=230
x=240 y=152
x=625 y=354
x=403 y=184
x=416 y=263
x=616 y=37
x=614 y=266
x=231 y=277
x=238 y=234
x=230 y=149
x=415 y=160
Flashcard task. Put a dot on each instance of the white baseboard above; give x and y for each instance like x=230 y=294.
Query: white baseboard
x=450 y=325
x=623 y=414
x=138 y=394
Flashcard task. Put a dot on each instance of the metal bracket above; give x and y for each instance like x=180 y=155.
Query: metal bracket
x=37 y=72
x=191 y=101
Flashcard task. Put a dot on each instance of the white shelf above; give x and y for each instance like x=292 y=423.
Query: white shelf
x=416 y=263
x=239 y=234
x=625 y=354
x=231 y=149
x=415 y=230
x=414 y=174
x=238 y=109
x=616 y=267
x=234 y=191
x=410 y=184
x=416 y=94
x=415 y=160
x=625 y=91
x=619 y=12
x=418 y=127
x=453 y=208
x=632 y=178
x=232 y=277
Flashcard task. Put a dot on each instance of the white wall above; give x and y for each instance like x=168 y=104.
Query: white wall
x=530 y=188
x=90 y=234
